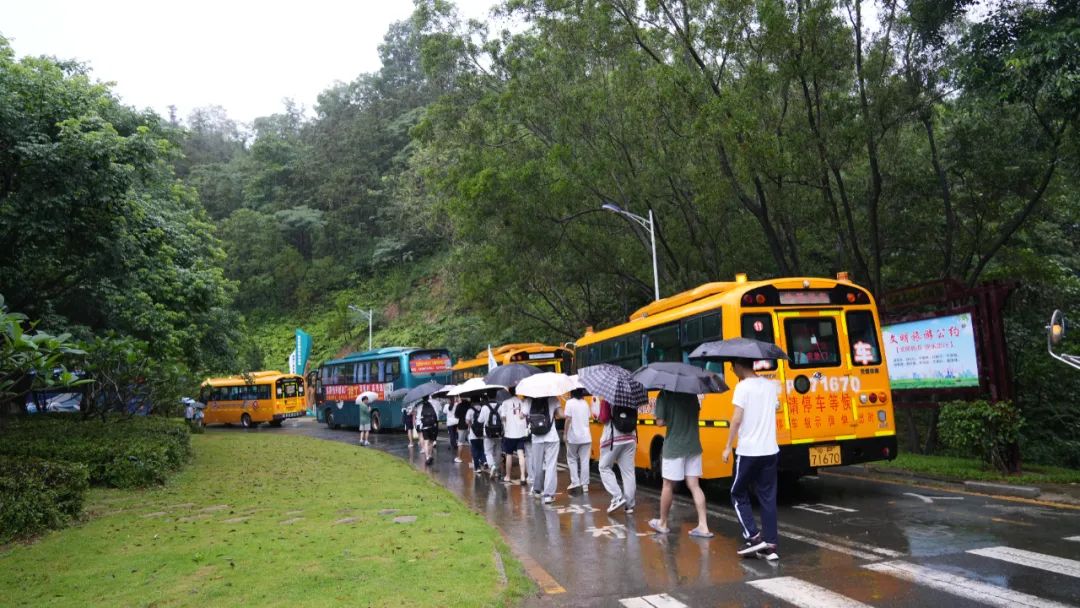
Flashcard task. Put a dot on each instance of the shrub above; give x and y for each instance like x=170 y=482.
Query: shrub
x=119 y=452
x=38 y=495
x=988 y=430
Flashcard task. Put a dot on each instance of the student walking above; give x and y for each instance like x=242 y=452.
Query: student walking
x=462 y=429
x=493 y=431
x=409 y=416
x=542 y=414
x=578 y=441
x=429 y=429
x=476 y=437
x=364 y=418
x=618 y=446
x=515 y=430
x=451 y=425
x=756 y=401
x=681 y=457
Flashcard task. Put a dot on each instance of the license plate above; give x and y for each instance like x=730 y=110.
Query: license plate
x=824 y=455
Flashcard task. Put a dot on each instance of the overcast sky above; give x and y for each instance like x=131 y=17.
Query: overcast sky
x=244 y=56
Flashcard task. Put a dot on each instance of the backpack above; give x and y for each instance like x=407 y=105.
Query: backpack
x=428 y=417
x=494 y=426
x=459 y=413
x=477 y=426
x=624 y=419
x=539 y=417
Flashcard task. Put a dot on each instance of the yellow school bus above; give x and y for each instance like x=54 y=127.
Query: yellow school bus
x=836 y=406
x=547 y=358
x=268 y=396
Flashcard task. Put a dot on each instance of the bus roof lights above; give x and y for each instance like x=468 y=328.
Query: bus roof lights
x=740 y=277
x=843 y=276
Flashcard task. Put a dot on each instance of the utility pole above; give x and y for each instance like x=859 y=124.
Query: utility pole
x=370 y=314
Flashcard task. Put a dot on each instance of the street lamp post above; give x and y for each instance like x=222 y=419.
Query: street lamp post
x=648 y=224
x=370 y=313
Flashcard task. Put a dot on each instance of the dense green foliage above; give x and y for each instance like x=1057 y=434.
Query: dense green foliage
x=30 y=360
x=990 y=431
x=38 y=495
x=118 y=452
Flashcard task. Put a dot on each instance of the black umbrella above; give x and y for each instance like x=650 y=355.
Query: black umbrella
x=613 y=384
x=419 y=392
x=738 y=348
x=511 y=374
x=679 y=378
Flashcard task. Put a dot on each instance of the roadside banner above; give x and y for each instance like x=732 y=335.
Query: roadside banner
x=303 y=351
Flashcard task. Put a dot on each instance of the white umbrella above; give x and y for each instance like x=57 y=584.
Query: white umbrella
x=371 y=395
x=547 y=384
x=473 y=385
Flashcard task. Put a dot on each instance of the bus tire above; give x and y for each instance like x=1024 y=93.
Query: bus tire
x=330 y=420
x=656 y=460
x=376 y=423
x=245 y=421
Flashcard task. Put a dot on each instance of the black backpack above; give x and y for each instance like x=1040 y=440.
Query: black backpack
x=477 y=426
x=494 y=426
x=539 y=417
x=624 y=419
x=429 y=418
x=459 y=413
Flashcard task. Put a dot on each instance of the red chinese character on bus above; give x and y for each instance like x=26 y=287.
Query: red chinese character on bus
x=807 y=404
x=904 y=338
x=806 y=422
x=928 y=334
x=941 y=334
x=821 y=403
x=834 y=401
x=817 y=422
x=832 y=421
x=843 y=419
x=794 y=423
x=916 y=336
x=954 y=331
x=892 y=338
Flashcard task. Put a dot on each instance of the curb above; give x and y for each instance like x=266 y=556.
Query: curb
x=1001 y=489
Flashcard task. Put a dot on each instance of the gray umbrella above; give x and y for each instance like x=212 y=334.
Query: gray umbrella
x=419 y=392
x=679 y=378
x=739 y=348
x=613 y=384
x=511 y=374
x=397 y=394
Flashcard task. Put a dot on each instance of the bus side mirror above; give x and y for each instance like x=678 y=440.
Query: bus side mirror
x=1056 y=329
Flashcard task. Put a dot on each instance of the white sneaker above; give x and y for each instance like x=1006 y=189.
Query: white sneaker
x=585 y=488
x=548 y=499
x=615 y=504
x=457 y=460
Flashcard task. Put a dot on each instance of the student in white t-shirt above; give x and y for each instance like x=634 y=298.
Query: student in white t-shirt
x=515 y=430
x=578 y=441
x=756 y=400
x=542 y=413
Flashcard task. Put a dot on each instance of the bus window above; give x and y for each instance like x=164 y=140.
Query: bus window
x=662 y=344
x=391 y=370
x=759 y=327
x=699 y=330
x=567 y=358
x=344 y=373
x=862 y=338
x=812 y=342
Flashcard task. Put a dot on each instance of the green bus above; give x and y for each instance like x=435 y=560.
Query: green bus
x=338 y=382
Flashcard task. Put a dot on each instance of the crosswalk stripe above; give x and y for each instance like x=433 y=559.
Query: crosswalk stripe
x=1057 y=565
x=977 y=591
x=1073 y=538
x=803 y=594
x=661 y=600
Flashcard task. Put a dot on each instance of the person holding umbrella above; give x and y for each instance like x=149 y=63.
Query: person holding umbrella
x=616 y=399
x=578 y=441
x=542 y=390
x=677 y=408
x=756 y=402
x=515 y=430
x=363 y=416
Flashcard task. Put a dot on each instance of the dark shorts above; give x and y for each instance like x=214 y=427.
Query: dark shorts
x=408 y=421
x=430 y=434
x=509 y=446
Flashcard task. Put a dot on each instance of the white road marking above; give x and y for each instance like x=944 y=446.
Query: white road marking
x=661 y=600
x=977 y=591
x=931 y=499
x=1057 y=565
x=823 y=508
x=1073 y=538
x=803 y=594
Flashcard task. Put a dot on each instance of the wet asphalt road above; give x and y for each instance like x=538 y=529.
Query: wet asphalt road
x=845 y=541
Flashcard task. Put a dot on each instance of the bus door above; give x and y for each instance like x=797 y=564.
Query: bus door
x=820 y=387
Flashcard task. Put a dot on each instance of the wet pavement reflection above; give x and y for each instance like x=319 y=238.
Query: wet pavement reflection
x=844 y=538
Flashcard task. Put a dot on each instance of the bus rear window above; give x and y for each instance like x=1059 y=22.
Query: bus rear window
x=429 y=362
x=759 y=327
x=862 y=338
x=812 y=342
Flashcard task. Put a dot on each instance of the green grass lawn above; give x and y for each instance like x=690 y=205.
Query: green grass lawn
x=214 y=536
x=963 y=469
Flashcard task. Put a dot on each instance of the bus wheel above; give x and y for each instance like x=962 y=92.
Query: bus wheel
x=656 y=462
x=330 y=422
x=245 y=421
x=376 y=423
